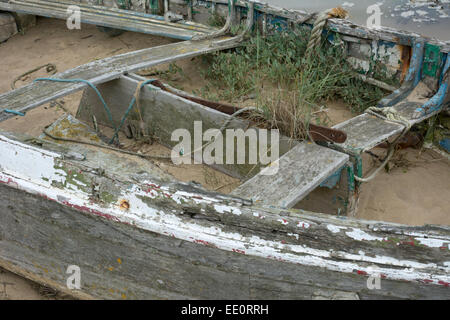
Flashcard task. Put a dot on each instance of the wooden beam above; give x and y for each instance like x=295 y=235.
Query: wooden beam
x=196 y=241
x=299 y=172
x=100 y=71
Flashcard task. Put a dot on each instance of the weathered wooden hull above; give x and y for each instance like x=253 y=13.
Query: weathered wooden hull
x=119 y=261
x=174 y=240
x=366 y=47
x=145 y=236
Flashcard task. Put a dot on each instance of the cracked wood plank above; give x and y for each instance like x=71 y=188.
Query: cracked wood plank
x=113 y=18
x=59 y=221
x=298 y=172
x=100 y=71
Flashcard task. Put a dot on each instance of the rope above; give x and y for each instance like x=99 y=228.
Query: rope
x=50 y=68
x=392 y=115
x=145 y=156
x=248 y=25
x=319 y=25
x=18 y=113
x=136 y=96
x=316 y=32
x=108 y=111
x=133 y=101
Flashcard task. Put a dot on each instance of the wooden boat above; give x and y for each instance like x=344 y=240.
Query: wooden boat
x=135 y=232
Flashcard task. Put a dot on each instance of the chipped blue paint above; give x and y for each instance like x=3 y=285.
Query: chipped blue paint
x=332 y=180
x=445 y=144
x=387 y=44
x=416 y=64
x=436 y=102
x=279 y=23
x=412 y=78
x=444 y=58
x=330 y=37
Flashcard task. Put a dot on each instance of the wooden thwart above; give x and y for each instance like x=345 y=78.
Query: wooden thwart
x=366 y=131
x=100 y=71
x=300 y=170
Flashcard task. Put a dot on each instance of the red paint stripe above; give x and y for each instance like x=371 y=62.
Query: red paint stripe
x=361 y=272
x=426 y=280
x=445 y=284
x=205 y=243
x=90 y=210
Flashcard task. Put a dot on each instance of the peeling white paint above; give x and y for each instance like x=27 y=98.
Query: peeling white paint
x=15 y=155
x=224 y=208
x=303 y=224
x=406 y=14
x=186 y=195
x=141 y=215
x=360 y=235
x=433 y=243
x=295 y=235
x=335 y=229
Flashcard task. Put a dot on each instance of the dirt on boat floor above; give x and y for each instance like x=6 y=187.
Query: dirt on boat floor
x=416 y=191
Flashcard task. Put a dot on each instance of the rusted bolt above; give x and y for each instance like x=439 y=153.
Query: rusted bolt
x=124 y=205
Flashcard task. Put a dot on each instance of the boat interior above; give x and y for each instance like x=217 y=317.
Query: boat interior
x=126 y=123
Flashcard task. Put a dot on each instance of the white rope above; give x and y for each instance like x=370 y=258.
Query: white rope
x=316 y=32
x=319 y=25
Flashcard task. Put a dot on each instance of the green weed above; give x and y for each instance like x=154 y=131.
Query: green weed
x=288 y=86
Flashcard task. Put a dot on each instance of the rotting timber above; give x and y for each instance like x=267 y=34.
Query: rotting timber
x=137 y=233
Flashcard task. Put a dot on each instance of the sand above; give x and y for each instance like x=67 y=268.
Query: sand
x=13 y=287
x=416 y=191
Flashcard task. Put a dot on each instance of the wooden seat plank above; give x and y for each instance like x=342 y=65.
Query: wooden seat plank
x=301 y=170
